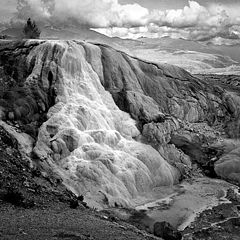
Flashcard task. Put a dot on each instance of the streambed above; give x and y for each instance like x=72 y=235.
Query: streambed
x=181 y=204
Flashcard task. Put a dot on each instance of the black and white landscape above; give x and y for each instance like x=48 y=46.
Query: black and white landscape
x=120 y=119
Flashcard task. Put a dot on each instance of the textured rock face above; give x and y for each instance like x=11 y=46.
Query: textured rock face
x=27 y=83
x=110 y=123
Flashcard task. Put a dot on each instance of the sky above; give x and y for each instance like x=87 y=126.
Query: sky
x=173 y=4
x=7 y=9
x=199 y=20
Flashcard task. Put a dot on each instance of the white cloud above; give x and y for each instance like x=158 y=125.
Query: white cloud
x=194 y=22
x=188 y=16
x=94 y=13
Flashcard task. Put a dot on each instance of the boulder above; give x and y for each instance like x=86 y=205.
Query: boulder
x=228 y=166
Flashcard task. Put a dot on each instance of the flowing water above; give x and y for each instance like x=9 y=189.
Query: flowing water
x=90 y=141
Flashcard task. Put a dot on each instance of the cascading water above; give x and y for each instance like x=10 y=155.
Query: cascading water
x=88 y=99
x=87 y=139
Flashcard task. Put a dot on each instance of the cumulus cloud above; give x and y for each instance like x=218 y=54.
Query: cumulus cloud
x=181 y=18
x=93 y=13
x=194 y=21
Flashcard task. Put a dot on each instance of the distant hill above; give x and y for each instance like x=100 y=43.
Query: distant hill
x=71 y=33
x=15 y=32
x=169 y=43
x=195 y=57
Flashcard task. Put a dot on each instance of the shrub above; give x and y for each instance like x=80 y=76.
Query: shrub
x=31 y=30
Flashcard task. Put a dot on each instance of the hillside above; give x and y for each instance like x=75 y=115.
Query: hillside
x=195 y=57
x=115 y=128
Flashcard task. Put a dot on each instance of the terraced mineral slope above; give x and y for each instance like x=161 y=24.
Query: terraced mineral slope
x=114 y=127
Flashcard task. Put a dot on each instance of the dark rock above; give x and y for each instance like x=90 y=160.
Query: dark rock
x=166 y=231
x=85 y=204
x=80 y=198
x=74 y=203
x=13 y=196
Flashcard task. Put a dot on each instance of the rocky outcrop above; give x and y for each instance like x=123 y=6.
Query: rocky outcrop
x=26 y=87
x=113 y=127
x=23 y=184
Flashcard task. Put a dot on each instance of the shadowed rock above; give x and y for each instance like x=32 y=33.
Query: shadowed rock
x=166 y=231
